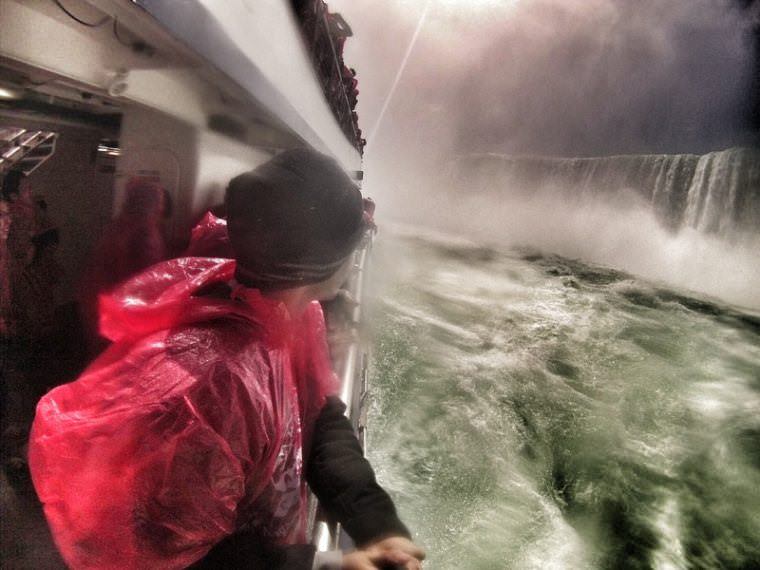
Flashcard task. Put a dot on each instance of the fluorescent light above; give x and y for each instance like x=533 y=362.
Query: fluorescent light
x=109 y=150
x=6 y=93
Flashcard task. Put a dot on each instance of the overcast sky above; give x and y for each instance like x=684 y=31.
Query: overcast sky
x=560 y=77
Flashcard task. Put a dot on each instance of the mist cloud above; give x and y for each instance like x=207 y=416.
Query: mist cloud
x=559 y=77
x=607 y=76
x=562 y=78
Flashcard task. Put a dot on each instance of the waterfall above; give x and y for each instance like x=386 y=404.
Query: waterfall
x=724 y=192
x=717 y=193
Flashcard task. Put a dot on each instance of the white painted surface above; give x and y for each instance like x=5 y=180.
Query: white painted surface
x=267 y=33
x=37 y=33
x=194 y=165
x=221 y=159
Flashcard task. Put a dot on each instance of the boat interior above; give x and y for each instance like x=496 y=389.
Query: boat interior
x=95 y=93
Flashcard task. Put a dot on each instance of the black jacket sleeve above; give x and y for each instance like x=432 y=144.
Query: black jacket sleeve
x=243 y=551
x=344 y=482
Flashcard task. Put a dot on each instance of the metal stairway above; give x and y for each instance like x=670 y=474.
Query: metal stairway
x=25 y=150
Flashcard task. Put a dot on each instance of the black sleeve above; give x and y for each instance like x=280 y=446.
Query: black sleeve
x=242 y=551
x=344 y=482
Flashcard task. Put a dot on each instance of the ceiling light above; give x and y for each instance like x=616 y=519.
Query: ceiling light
x=6 y=93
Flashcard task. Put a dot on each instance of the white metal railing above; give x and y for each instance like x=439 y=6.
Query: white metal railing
x=352 y=369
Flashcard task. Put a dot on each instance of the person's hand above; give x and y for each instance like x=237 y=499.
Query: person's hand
x=393 y=551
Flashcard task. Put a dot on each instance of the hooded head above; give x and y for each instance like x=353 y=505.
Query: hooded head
x=293 y=221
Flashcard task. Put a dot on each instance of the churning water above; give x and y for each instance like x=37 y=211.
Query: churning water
x=533 y=412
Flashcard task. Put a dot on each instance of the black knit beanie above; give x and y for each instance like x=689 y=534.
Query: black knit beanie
x=293 y=220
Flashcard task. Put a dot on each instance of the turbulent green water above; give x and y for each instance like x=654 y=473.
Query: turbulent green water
x=535 y=412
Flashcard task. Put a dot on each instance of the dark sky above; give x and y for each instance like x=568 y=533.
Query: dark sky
x=560 y=77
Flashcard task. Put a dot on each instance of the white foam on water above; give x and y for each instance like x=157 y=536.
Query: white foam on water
x=666 y=384
x=717 y=401
x=420 y=316
x=624 y=235
x=560 y=547
x=670 y=555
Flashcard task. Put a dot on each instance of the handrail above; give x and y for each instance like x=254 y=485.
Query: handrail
x=338 y=68
x=25 y=150
x=341 y=108
x=353 y=386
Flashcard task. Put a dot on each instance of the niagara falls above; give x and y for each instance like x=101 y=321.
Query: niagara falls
x=566 y=282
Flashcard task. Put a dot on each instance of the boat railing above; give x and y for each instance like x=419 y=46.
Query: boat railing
x=25 y=150
x=320 y=28
x=351 y=362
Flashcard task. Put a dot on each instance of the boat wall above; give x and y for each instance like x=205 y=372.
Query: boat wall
x=167 y=96
x=78 y=191
x=193 y=165
x=37 y=34
x=255 y=48
x=258 y=44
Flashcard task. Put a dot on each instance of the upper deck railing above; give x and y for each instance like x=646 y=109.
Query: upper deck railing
x=351 y=363
x=325 y=34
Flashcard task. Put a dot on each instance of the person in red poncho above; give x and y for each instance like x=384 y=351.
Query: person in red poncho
x=131 y=243
x=189 y=441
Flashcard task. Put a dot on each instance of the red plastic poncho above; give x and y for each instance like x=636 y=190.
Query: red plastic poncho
x=132 y=242
x=209 y=238
x=191 y=425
